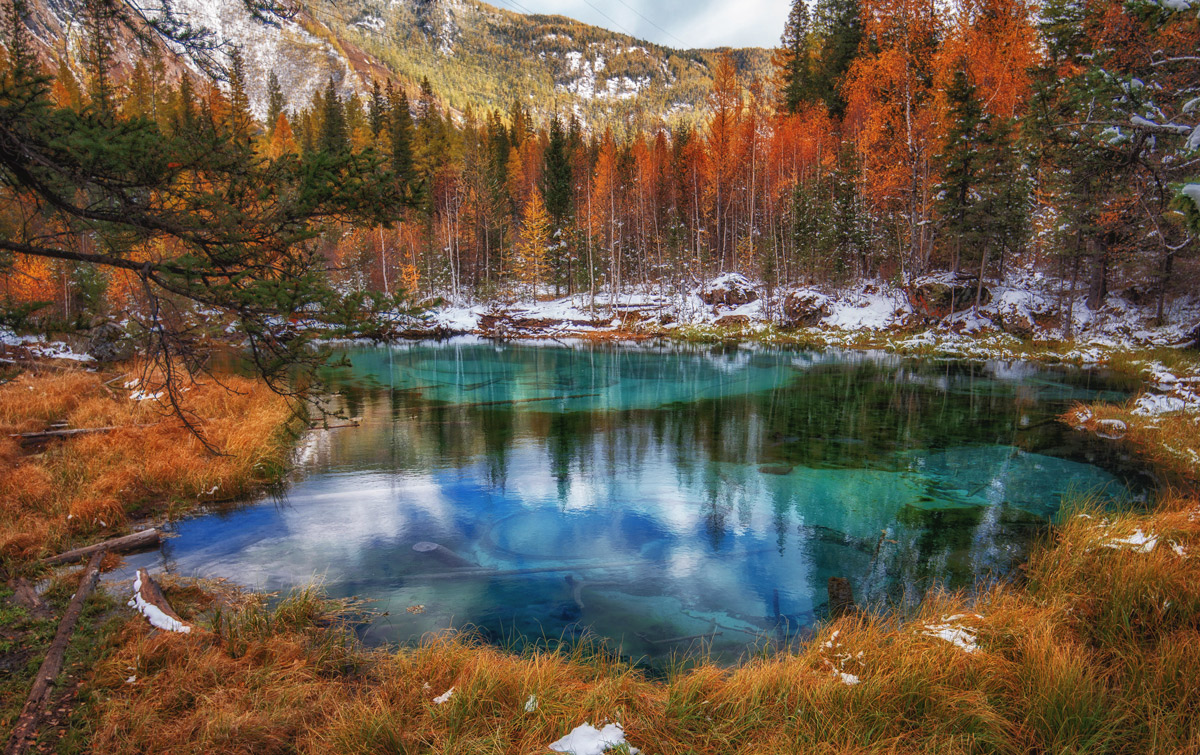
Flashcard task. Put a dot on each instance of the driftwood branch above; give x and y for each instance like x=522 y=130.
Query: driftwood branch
x=144 y=539
x=27 y=722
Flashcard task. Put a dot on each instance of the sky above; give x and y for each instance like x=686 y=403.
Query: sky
x=674 y=23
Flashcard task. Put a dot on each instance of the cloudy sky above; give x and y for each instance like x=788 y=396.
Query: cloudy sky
x=675 y=23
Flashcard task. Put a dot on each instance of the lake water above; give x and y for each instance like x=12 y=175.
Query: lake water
x=663 y=497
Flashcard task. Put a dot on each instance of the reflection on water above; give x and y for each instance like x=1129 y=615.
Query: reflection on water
x=653 y=495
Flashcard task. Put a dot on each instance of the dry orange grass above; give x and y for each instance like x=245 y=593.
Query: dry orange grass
x=88 y=485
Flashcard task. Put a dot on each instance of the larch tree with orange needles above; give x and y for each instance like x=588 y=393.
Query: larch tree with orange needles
x=726 y=106
x=530 y=265
x=893 y=116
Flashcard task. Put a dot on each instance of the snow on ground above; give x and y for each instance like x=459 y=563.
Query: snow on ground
x=38 y=346
x=588 y=740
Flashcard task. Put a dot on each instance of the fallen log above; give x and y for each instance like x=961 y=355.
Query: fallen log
x=481 y=571
x=26 y=726
x=149 y=601
x=144 y=539
x=48 y=434
x=516 y=401
x=688 y=638
x=351 y=423
x=444 y=554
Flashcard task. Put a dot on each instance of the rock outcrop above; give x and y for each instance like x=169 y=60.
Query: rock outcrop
x=805 y=308
x=938 y=296
x=728 y=290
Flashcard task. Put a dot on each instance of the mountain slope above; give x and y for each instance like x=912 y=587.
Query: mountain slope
x=479 y=55
x=474 y=54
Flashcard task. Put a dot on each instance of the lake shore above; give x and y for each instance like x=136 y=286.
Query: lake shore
x=1097 y=650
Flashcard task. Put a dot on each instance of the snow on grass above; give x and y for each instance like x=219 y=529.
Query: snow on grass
x=838 y=668
x=1138 y=542
x=38 y=346
x=953 y=631
x=588 y=740
x=1153 y=404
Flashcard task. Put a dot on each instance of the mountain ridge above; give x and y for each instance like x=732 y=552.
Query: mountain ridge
x=477 y=57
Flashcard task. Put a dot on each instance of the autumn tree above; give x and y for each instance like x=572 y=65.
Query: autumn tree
x=530 y=265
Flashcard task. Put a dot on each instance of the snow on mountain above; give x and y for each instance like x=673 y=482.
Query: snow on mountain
x=303 y=63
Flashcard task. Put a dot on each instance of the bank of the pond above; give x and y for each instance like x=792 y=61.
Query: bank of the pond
x=59 y=490
x=1097 y=651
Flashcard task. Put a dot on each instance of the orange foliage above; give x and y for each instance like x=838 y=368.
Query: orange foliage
x=998 y=42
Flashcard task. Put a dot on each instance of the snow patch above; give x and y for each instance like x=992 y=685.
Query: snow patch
x=588 y=740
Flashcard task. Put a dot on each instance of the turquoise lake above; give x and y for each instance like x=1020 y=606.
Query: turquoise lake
x=663 y=497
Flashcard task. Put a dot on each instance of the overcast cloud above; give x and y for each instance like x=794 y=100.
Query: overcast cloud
x=674 y=23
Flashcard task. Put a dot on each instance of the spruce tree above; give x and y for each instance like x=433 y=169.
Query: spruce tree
x=241 y=121
x=100 y=19
x=961 y=168
x=276 y=101
x=401 y=133
x=556 y=174
x=838 y=28
x=22 y=63
x=377 y=110
x=795 y=86
x=335 y=137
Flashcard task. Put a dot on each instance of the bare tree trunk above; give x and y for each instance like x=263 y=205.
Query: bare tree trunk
x=1098 y=289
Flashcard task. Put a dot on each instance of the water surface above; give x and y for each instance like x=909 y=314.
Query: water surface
x=654 y=495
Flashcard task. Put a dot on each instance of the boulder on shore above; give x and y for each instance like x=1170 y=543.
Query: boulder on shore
x=729 y=290
x=805 y=308
x=938 y=296
x=110 y=342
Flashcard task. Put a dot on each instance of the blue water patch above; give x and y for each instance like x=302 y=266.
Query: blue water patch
x=662 y=497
